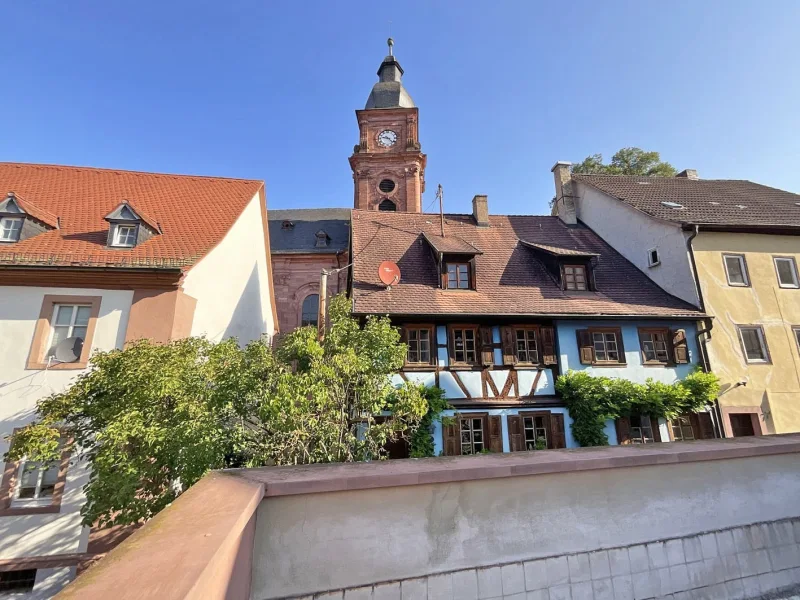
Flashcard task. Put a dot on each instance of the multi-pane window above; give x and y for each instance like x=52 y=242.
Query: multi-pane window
x=787 y=272
x=606 y=346
x=464 y=345
x=736 y=269
x=654 y=345
x=754 y=345
x=535 y=432
x=472 y=436
x=310 y=310
x=36 y=482
x=527 y=347
x=641 y=430
x=10 y=228
x=574 y=277
x=419 y=345
x=457 y=276
x=125 y=235
x=17 y=582
x=69 y=320
x=682 y=429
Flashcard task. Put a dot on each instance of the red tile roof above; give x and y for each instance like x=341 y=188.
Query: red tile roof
x=36 y=212
x=510 y=279
x=194 y=213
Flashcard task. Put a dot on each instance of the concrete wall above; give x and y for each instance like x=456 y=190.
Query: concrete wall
x=231 y=283
x=773 y=390
x=632 y=233
x=717 y=528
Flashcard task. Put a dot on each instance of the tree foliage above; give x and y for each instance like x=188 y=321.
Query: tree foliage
x=421 y=442
x=152 y=419
x=594 y=400
x=627 y=161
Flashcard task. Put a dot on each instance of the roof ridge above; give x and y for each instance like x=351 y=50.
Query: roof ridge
x=126 y=171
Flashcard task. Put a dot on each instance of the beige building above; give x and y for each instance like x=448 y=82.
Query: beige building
x=730 y=247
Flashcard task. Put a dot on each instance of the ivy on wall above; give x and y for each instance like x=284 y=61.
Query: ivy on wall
x=594 y=400
x=421 y=441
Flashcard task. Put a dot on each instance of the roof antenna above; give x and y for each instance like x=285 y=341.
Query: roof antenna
x=440 y=197
x=390 y=42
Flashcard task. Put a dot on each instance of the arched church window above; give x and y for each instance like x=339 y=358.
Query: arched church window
x=310 y=310
x=387 y=205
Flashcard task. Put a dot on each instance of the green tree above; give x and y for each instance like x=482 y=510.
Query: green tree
x=152 y=419
x=627 y=161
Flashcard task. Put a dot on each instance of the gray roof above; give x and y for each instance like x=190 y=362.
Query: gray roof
x=715 y=202
x=301 y=236
x=389 y=91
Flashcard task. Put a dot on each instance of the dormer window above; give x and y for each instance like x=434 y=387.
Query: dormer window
x=457 y=276
x=10 y=228
x=125 y=235
x=574 y=277
x=571 y=268
x=322 y=239
x=20 y=220
x=287 y=225
x=128 y=227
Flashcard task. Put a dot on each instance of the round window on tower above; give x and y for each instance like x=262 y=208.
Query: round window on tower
x=386 y=186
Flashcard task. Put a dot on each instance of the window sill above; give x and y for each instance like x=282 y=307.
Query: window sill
x=788 y=287
x=41 y=366
x=13 y=511
x=759 y=362
x=419 y=367
x=658 y=365
x=609 y=365
x=464 y=367
x=739 y=285
x=529 y=367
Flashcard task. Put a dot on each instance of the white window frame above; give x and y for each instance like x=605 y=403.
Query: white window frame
x=3 y=221
x=795 y=284
x=71 y=326
x=117 y=239
x=37 y=500
x=742 y=263
x=761 y=340
x=650 y=261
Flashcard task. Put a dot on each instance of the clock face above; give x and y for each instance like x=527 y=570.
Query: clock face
x=387 y=138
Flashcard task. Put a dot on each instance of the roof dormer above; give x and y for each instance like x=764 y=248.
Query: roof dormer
x=456 y=260
x=323 y=239
x=572 y=269
x=20 y=220
x=129 y=227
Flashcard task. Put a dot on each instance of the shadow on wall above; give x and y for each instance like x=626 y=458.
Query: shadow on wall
x=247 y=315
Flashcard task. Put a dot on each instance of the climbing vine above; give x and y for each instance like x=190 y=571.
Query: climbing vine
x=421 y=441
x=594 y=400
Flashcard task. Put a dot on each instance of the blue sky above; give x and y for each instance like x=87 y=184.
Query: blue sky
x=268 y=90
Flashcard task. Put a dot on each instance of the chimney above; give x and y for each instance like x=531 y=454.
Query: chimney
x=480 y=210
x=688 y=174
x=564 y=205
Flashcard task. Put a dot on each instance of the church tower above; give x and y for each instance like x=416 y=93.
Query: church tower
x=388 y=163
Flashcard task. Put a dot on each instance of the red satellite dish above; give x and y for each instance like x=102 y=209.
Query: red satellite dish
x=389 y=272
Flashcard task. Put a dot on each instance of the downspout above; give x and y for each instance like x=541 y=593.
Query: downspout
x=703 y=335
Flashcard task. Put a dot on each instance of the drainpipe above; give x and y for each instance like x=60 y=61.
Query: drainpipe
x=703 y=335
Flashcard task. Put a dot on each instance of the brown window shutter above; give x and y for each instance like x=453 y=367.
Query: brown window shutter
x=558 y=437
x=509 y=346
x=472 y=275
x=515 y=441
x=548 y=345
x=641 y=345
x=705 y=426
x=495 y=434
x=487 y=347
x=656 y=430
x=679 y=347
x=621 y=347
x=623 y=431
x=443 y=271
x=585 y=346
x=404 y=335
x=452 y=437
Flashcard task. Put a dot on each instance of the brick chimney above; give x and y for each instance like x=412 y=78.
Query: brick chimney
x=688 y=174
x=480 y=210
x=564 y=206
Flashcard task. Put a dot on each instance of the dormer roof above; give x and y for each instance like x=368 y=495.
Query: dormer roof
x=13 y=201
x=450 y=245
x=125 y=211
x=559 y=252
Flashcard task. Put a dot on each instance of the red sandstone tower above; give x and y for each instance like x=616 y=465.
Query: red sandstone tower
x=388 y=163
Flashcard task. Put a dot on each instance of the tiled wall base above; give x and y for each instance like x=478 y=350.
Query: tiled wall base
x=740 y=563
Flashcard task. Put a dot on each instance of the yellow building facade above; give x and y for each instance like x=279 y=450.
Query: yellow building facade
x=749 y=285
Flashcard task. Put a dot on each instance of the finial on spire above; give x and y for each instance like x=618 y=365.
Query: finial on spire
x=390 y=42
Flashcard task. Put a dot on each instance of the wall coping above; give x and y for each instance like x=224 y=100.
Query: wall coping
x=314 y=479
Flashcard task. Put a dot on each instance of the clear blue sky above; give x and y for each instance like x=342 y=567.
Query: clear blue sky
x=267 y=90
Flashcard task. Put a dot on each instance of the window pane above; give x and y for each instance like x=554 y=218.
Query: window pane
x=82 y=318
x=786 y=274
x=752 y=344
x=60 y=333
x=28 y=480
x=64 y=315
x=735 y=269
x=310 y=310
x=79 y=332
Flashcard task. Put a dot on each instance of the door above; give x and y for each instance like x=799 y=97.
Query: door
x=742 y=424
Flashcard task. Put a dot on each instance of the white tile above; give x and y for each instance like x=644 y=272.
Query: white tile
x=603 y=590
x=331 y=596
x=579 y=570
x=665 y=582
x=535 y=574
x=708 y=542
x=513 y=579
x=657 y=553
x=623 y=587
x=725 y=544
x=465 y=585
x=490 y=583
x=645 y=585
x=538 y=595
x=692 y=550
x=386 y=591
x=560 y=592
x=675 y=555
x=735 y=589
x=679 y=575
x=638 y=559
x=361 y=593
x=619 y=562
x=752 y=589
x=600 y=567
x=557 y=571
x=582 y=591
x=414 y=589
x=440 y=587
x=520 y=596
x=741 y=539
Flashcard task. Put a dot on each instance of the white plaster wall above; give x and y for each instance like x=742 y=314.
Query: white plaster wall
x=36 y=535
x=317 y=542
x=231 y=283
x=632 y=233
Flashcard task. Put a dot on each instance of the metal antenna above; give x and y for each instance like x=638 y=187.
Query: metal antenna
x=390 y=42
x=440 y=197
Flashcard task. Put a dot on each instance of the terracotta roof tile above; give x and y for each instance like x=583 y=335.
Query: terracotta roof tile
x=194 y=213
x=450 y=245
x=36 y=212
x=510 y=278
x=556 y=251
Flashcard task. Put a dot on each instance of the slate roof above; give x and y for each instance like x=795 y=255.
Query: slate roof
x=705 y=201
x=194 y=213
x=34 y=211
x=452 y=245
x=511 y=280
x=302 y=237
x=556 y=251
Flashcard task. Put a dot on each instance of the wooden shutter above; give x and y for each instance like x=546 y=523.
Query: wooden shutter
x=623 y=431
x=585 y=346
x=487 y=347
x=452 y=436
x=679 y=347
x=548 y=345
x=509 y=346
x=495 y=434
x=655 y=428
x=703 y=426
x=558 y=437
x=515 y=439
x=472 y=275
x=443 y=270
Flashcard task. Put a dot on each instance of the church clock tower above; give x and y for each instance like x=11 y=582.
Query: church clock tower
x=388 y=163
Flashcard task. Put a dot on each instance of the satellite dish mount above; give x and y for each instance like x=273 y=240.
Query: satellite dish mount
x=389 y=273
